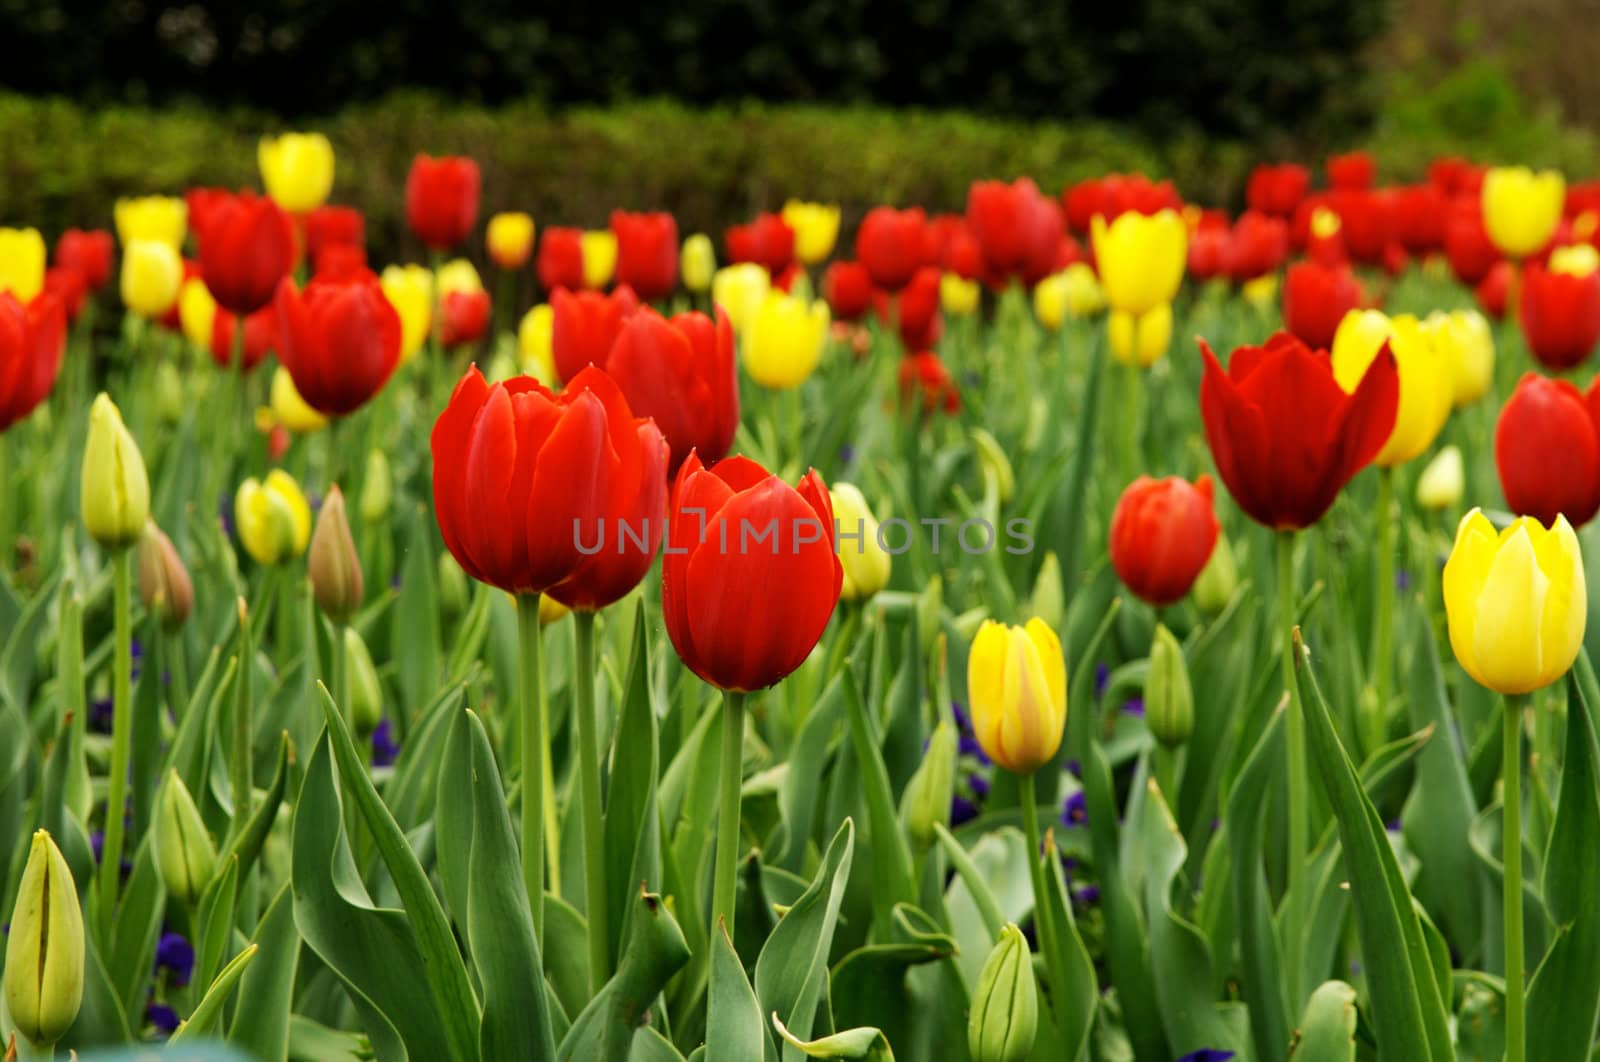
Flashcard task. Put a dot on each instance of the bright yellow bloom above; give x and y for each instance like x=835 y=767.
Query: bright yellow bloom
x=599 y=247
x=740 y=290
x=1442 y=481
x=816 y=228
x=22 y=262
x=1465 y=334
x=45 y=960
x=1141 y=340
x=163 y=218
x=866 y=563
x=1017 y=693
x=457 y=275
x=699 y=262
x=958 y=296
x=1516 y=602
x=1427 y=386
x=272 y=517
x=1325 y=222
x=152 y=274
x=1521 y=209
x=534 y=337
x=784 y=341
x=289 y=409
x=1261 y=291
x=1074 y=292
x=115 y=498
x=197 y=312
x=1141 y=259
x=297 y=169
x=409 y=290
x=1577 y=259
x=510 y=239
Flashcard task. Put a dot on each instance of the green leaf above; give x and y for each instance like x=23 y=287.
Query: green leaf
x=870 y=983
x=417 y=637
x=246 y=843
x=734 y=1028
x=864 y=1043
x=892 y=879
x=208 y=1014
x=632 y=823
x=1075 y=1001
x=266 y=991
x=137 y=929
x=214 y=921
x=807 y=761
x=1328 y=1028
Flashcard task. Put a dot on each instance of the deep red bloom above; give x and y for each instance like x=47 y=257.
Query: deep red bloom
x=247 y=246
x=744 y=611
x=1050 y=248
x=1466 y=242
x=1277 y=189
x=560 y=261
x=1560 y=315
x=69 y=288
x=32 y=340
x=339 y=341
x=89 y=252
x=586 y=324
x=916 y=310
x=1257 y=246
x=1494 y=290
x=329 y=226
x=1455 y=176
x=1014 y=224
x=847 y=286
x=1162 y=534
x=1355 y=169
x=1366 y=222
x=1547 y=448
x=925 y=381
x=341 y=261
x=682 y=373
x=784 y=281
x=442 y=199
x=767 y=241
x=202 y=204
x=1208 y=247
x=538 y=492
x=1421 y=213
x=1315 y=299
x=647 y=252
x=950 y=244
x=463 y=317
x=260 y=337
x=1116 y=194
x=890 y=243
x=1583 y=197
x=1285 y=436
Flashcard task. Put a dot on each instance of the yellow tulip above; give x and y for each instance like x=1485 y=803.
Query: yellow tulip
x=1140 y=258
x=784 y=341
x=457 y=275
x=740 y=290
x=1467 y=337
x=1017 y=693
x=115 y=498
x=1050 y=300
x=1440 y=486
x=1427 y=386
x=1521 y=209
x=1578 y=259
x=44 y=966
x=289 y=409
x=297 y=169
x=699 y=263
x=22 y=262
x=958 y=296
x=162 y=218
x=1261 y=291
x=152 y=274
x=197 y=312
x=510 y=239
x=272 y=517
x=599 y=247
x=1516 y=602
x=534 y=337
x=816 y=228
x=866 y=563
x=409 y=290
x=1140 y=340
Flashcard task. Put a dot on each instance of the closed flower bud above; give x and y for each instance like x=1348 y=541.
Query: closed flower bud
x=958 y=296
x=699 y=263
x=1140 y=340
x=335 y=568
x=1140 y=258
x=740 y=290
x=366 y=693
x=1427 y=376
x=1005 y=1005
x=409 y=290
x=1465 y=335
x=45 y=949
x=535 y=343
x=866 y=562
x=458 y=274
x=996 y=465
x=297 y=169
x=115 y=489
x=184 y=850
x=170 y=400
x=816 y=228
x=22 y=263
x=784 y=341
x=1218 y=579
x=510 y=239
x=1017 y=693
x=162 y=218
x=599 y=257
x=926 y=801
x=1521 y=209
x=1168 y=698
x=152 y=273
x=1441 y=482
x=452 y=585
x=272 y=517
x=164 y=583
x=930 y=612
x=377 y=488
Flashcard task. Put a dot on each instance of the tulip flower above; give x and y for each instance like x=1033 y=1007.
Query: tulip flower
x=681 y=372
x=958 y=296
x=1466 y=335
x=1168 y=695
x=784 y=340
x=847 y=286
x=185 y=853
x=866 y=563
x=161 y=218
x=1140 y=259
x=815 y=226
x=340 y=342
x=599 y=250
x=585 y=325
x=1354 y=169
x=1277 y=189
x=68 y=288
x=1017 y=693
x=247 y=246
x=959 y=250
x=1367 y=224
x=115 y=488
x=272 y=518
x=768 y=242
x=510 y=239
x=699 y=263
x=739 y=290
x=560 y=261
x=647 y=252
x=1467 y=246
x=890 y=244
x=463 y=304
x=1560 y=314
x=1140 y=340
x=925 y=382
x=289 y=409
x=442 y=199
x=916 y=310
x=1114 y=195
x=334 y=226
x=1316 y=298
x=409 y=290
x=44 y=968
x=536 y=343
x=333 y=564
x=22 y=263
x=1442 y=481
x=1521 y=209
x=363 y=699
x=1547 y=449
x=1162 y=534
x=1494 y=291
x=212 y=329
x=152 y=274
x=1005 y=1005
x=1013 y=225
x=1427 y=389
x=297 y=169
x=377 y=488
x=1256 y=246
x=1421 y=216
x=89 y=253
x=33 y=337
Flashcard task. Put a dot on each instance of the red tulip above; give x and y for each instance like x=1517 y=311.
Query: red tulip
x=744 y=610
x=1421 y=213
x=586 y=324
x=538 y=492
x=1208 y=246
x=560 y=261
x=1466 y=241
x=1366 y=222
x=890 y=244
x=1162 y=534
x=682 y=373
x=1547 y=448
x=916 y=310
x=1116 y=194
x=847 y=287
x=647 y=252
x=339 y=341
x=925 y=380
x=246 y=247
x=260 y=337
x=1494 y=290
x=1257 y=246
x=32 y=340
x=202 y=204
x=1277 y=189
x=1286 y=438
x=341 y=261
x=463 y=317
x=1316 y=298
x=1356 y=169
x=1050 y=248
x=89 y=252
x=1455 y=176
x=767 y=241
x=442 y=199
x=330 y=226
x=1583 y=197
x=1014 y=224
x=69 y=288
x=1560 y=315
x=959 y=250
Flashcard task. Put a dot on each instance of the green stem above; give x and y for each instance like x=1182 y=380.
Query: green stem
x=1383 y=644
x=534 y=741
x=1043 y=921
x=121 y=733
x=1130 y=427
x=243 y=784
x=1511 y=882
x=731 y=779
x=247 y=418
x=594 y=848
x=339 y=673
x=1299 y=810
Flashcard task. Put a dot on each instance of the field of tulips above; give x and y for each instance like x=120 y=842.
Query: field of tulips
x=1088 y=626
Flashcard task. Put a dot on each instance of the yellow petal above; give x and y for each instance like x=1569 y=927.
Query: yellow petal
x=1507 y=645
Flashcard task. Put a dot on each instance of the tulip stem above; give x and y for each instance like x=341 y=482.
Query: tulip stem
x=1130 y=430
x=243 y=705
x=1293 y=919
x=731 y=778
x=534 y=740
x=1043 y=922
x=1383 y=644
x=1511 y=880
x=121 y=735
x=594 y=847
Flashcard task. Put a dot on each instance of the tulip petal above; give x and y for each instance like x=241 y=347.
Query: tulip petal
x=1508 y=647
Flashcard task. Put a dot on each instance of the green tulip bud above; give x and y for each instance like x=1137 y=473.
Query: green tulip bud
x=335 y=568
x=866 y=563
x=930 y=612
x=1168 y=698
x=184 y=850
x=926 y=801
x=1049 y=601
x=1005 y=1007
x=377 y=490
x=164 y=583
x=452 y=585
x=170 y=400
x=994 y=462
x=115 y=487
x=1218 y=579
x=366 y=693
x=45 y=951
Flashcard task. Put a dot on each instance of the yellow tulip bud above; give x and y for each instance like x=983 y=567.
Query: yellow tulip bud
x=197 y=312
x=297 y=169
x=784 y=341
x=958 y=296
x=376 y=488
x=1141 y=258
x=1051 y=298
x=599 y=248
x=698 y=263
x=1085 y=297
x=510 y=239
x=184 y=849
x=366 y=692
x=1262 y=291
x=535 y=336
x=409 y=290
x=816 y=228
x=1516 y=601
x=272 y=517
x=334 y=567
x=1577 y=259
x=115 y=488
x=45 y=947
x=289 y=409
x=866 y=563
x=740 y=290
x=926 y=800
x=1521 y=209
x=1427 y=385
x=1005 y=1005
x=1017 y=693
x=1140 y=340
x=162 y=218
x=22 y=263
x=1465 y=334
x=1442 y=481
x=1168 y=696
x=458 y=274
x=152 y=273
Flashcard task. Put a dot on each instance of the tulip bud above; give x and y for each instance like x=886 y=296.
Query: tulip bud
x=740 y=290
x=1048 y=601
x=958 y=296
x=926 y=801
x=535 y=343
x=1521 y=209
x=816 y=228
x=1440 y=486
x=992 y=457
x=377 y=489
x=1218 y=579
x=930 y=611
x=366 y=693
x=272 y=517
x=551 y=610
x=152 y=274
x=22 y=263
x=297 y=169
x=452 y=585
x=1168 y=698
x=599 y=247
x=699 y=262
x=115 y=488
x=1050 y=300
x=290 y=409
x=170 y=401
x=510 y=239
x=335 y=568
x=1577 y=260
x=1005 y=1005
x=409 y=290
x=164 y=583
x=184 y=850
x=1017 y=693
x=458 y=274
x=784 y=340
x=45 y=949
x=866 y=563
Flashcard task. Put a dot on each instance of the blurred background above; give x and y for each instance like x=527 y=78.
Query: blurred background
x=717 y=108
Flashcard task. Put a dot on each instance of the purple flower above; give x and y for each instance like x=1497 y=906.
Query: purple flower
x=979 y=784
x=1402 y=580
x=1207 y=1054
x=1075 y=810
x=1086 y=895
x=97 y=843
x=101 y=711
x=384 y=747
x=847 y=454
x=163 y=1017
x=1102 y=675
x=176 y=953
x=1074 y=768
x=962 y=810
x=225 y=513
x=1134 y=706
